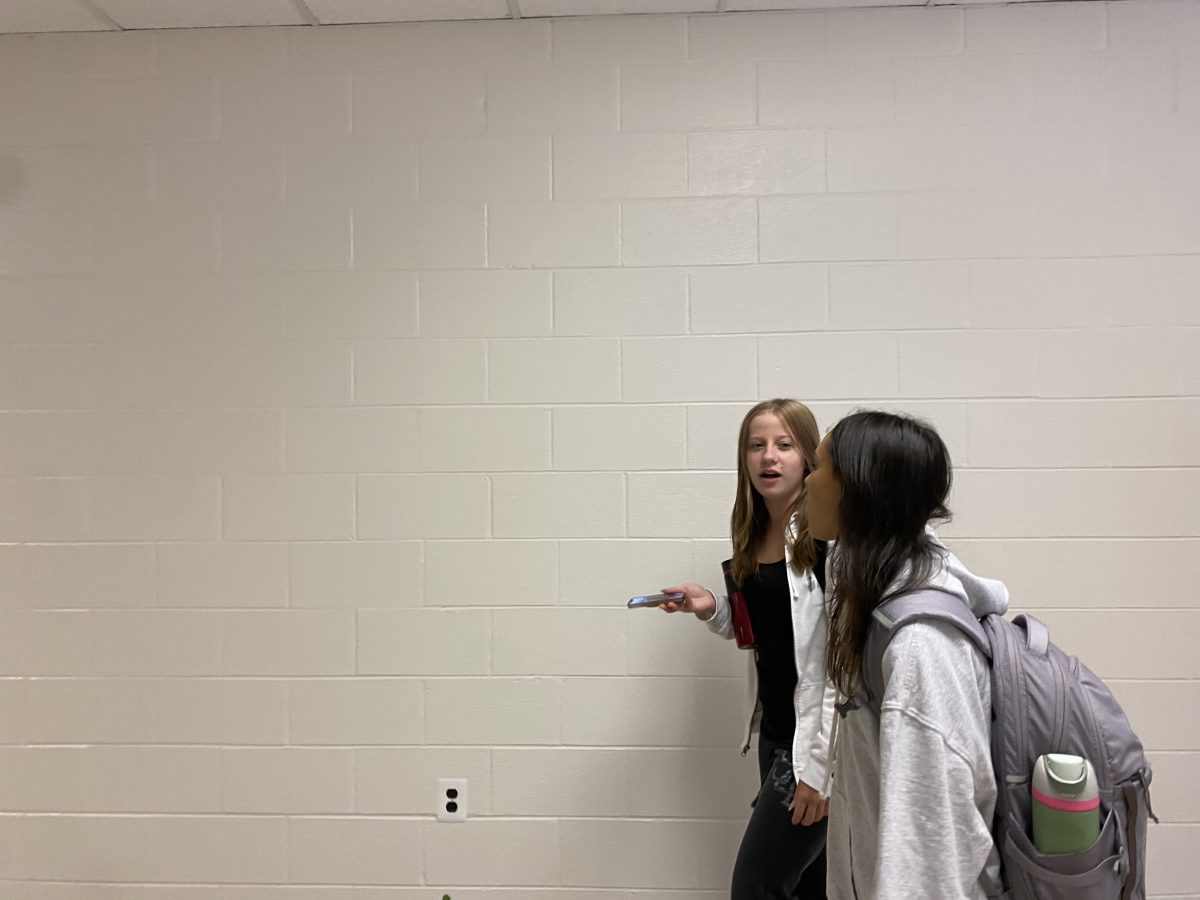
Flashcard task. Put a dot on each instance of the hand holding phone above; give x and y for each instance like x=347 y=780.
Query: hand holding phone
x=654 y=600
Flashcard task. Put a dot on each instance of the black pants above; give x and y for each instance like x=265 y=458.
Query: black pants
x=777 y=859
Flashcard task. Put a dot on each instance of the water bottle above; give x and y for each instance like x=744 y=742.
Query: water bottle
x=1066 y=804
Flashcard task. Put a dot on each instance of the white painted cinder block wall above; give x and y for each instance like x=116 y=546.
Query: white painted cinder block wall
x=353 y=377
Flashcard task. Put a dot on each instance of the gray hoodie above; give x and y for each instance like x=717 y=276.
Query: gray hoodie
x=913 y=795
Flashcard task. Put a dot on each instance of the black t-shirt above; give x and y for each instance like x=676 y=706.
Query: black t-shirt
x=769 y=600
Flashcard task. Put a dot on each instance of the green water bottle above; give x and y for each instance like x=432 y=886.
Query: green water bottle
x=1066 y=804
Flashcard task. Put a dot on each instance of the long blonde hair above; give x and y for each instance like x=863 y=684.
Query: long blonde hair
x=750 y=518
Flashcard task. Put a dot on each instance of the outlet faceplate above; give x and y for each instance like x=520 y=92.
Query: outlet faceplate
x=452 y=800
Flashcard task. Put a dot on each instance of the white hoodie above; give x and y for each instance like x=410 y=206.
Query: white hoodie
x=912 y=801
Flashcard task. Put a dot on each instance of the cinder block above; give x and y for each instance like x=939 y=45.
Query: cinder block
x=1081 y=363
x=424 y=371
x=603 y=573
x=486 y=304
x=619 y=438
x=1074 y=503
x=620 y=302
x=484 y=440
x=689 y=232
x=906 y=158
x=286 y=240
x=760 y=298
x=676 y=505
x=222 y=575
x=488 y=168
x=352 y=48
x=464 y=855
x=894 y=32
x=620 y=39
x=841 y=227
x=493 y=711
x=484 y=43
x=82 y=177
x=420 y=507
x=371 y=850
x=704 y=860
x=968 y=364
x=554 y=370
x=328 y=173
x=349 y=305
x=422 y=236
x=1086 y=573
x=765 y=35
x=401 y=780
x=678 y=644
x=424 y=103
x=819 y=93
x=425 y=642
x=347 y=711
x=1080 y=433
x=898 y=295
x=351 y=440
x=756 y=162
x=82 y=576
x=156 y=711
x=285 y=107
x=37 y=243
x=687 y=96
x=174 y=241
x=588 y=782
x=664 y=792
x=828 y=366
x=541 y=99
x=1050 y=28
x=51 y=642
x=133 y=508
x=45 y=509
x=212 y=53
x=286 y=781
x=529 y=573
x=64 y=55
x=288 y=508
x=288 y=642
x=692 y=368
x=359 y=574
x=153 y=848
x=617 y=166
x=551 y=641
x=157 y=642
x=559 y=505
x=562 y=233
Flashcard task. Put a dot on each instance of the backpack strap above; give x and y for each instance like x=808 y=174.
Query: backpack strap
x=929 y=604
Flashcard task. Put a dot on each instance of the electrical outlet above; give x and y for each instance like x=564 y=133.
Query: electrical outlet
x=452 y=800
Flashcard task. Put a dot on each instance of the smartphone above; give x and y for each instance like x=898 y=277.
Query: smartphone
x=654 y=600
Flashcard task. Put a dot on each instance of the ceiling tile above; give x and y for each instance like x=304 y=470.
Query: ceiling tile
x=49 y=15
x=200 y=13
x=540 y=8
x=339 y=12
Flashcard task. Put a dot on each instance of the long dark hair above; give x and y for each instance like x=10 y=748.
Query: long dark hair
x=895 y=476
x=749 y=520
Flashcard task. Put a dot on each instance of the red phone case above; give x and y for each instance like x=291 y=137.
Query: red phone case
x=743 y=631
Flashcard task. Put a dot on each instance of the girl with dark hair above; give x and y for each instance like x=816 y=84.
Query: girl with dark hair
x=777 y=570
x=913 y=793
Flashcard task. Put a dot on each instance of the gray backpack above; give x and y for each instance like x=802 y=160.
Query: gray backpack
x=1043 y=701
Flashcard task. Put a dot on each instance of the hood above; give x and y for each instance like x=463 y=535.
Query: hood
x=982 y=595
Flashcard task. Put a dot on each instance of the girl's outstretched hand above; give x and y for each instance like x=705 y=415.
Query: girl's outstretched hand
x=696 y=599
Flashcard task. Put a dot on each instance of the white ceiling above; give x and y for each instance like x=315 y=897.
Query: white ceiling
x=122 y=15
